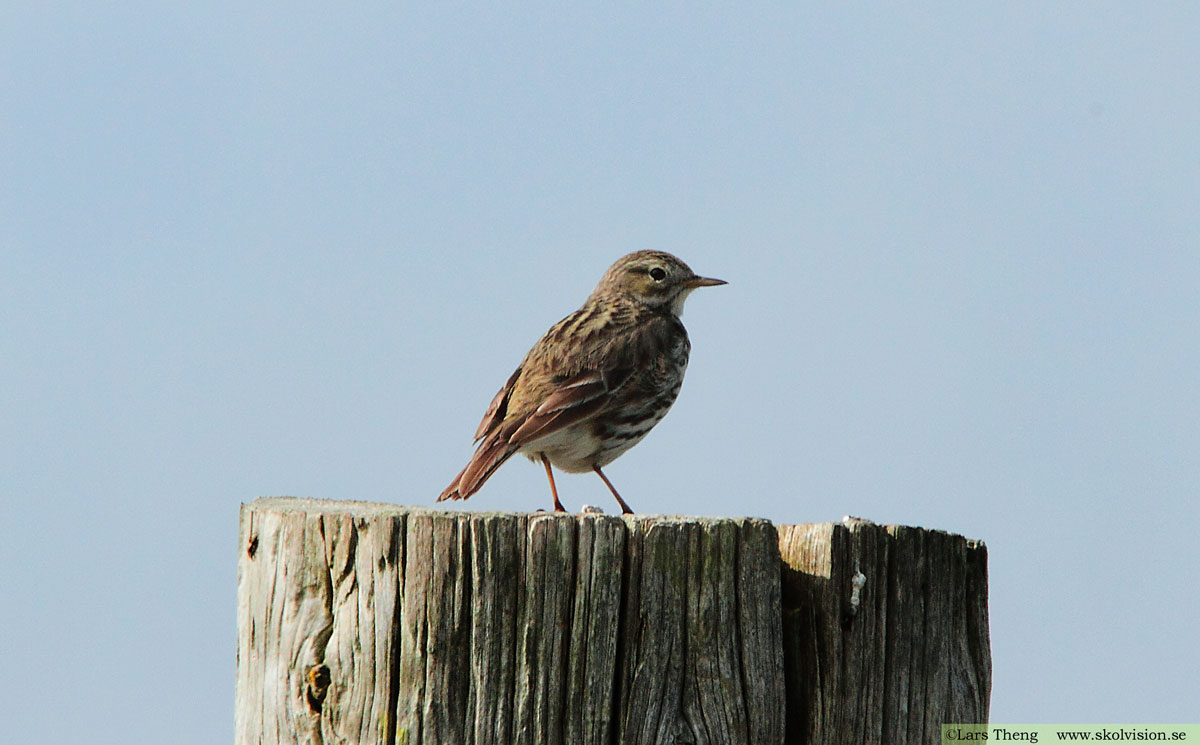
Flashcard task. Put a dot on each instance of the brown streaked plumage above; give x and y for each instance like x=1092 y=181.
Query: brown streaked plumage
x=596 y=383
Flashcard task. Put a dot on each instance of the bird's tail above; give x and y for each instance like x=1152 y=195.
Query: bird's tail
x=489 y=456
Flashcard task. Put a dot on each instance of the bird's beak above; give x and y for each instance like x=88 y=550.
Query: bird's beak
x=695 y=282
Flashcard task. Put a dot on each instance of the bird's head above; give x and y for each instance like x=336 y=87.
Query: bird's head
x=655 y=278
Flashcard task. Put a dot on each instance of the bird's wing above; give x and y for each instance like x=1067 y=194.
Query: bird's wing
x=571 y=401
x=498 y=408
x=497 y=411
x=575 y=395
x=606 y=364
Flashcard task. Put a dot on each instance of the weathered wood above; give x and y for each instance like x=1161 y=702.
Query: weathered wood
x=365 y=623
x=886 y=632
x=374 y=623
x=317 y=638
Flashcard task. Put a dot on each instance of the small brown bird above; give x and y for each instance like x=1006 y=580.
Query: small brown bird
x=597 y=382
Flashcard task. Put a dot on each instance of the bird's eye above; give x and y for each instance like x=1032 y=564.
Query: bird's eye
x=658 y=274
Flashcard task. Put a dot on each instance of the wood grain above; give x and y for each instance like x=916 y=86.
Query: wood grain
x=886 y=632
x=367 y=623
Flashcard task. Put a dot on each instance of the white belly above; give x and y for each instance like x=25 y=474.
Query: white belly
x=573 y=449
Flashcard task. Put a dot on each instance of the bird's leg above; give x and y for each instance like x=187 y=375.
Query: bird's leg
x=611 y=488
x=553 y=489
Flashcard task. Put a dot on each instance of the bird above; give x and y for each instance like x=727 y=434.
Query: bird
x=596 y=383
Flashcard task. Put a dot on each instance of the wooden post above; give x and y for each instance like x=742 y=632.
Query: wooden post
x=369 y=623
x=886 y=632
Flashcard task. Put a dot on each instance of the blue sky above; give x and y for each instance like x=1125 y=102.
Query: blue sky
x=293 y=249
